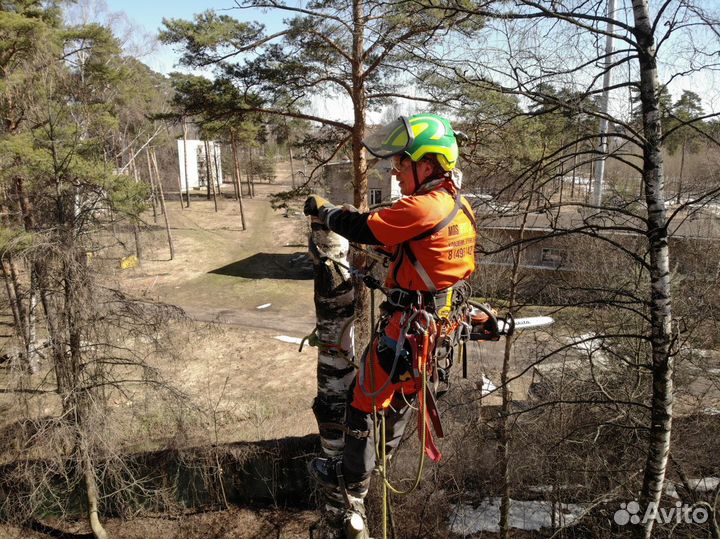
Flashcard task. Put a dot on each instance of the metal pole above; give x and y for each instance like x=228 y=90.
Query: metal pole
x=603 y=147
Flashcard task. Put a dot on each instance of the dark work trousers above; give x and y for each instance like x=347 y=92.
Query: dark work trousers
x=359 y=458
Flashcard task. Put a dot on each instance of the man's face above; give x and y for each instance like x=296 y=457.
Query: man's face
x=403 y=170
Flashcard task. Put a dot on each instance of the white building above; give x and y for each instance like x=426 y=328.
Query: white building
x=383 y=186
x=197 y=170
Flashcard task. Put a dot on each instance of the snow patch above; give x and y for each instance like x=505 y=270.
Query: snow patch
x=263 y=306
x=487 y=386
x=704 y=484
x=524 y=515
x=285 y=338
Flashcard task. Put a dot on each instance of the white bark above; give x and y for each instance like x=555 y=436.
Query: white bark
x=661 y=313
x=335 y=312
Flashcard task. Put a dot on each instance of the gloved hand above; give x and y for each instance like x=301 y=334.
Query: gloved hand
x=314 y=204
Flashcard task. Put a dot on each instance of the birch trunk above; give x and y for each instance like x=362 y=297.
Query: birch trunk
x=334 y=310
x=208 y=175
x=12 y=298
x=185 y=165
x=292 y=165
x=504 y=436
x=661 y=313
x=250 y=179
x=217 y=169
x=31 y=348
x=92 y=495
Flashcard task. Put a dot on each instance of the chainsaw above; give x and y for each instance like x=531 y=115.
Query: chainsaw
x=486 y=325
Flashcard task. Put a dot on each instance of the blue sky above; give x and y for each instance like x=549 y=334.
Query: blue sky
x=149 y=15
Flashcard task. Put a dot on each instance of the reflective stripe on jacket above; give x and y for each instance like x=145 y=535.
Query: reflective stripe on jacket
x=446 y=256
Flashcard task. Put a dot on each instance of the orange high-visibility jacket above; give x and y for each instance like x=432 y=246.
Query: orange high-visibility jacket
x=432 y=239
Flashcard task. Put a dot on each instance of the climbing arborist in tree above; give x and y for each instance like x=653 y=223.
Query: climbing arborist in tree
x=430 y=234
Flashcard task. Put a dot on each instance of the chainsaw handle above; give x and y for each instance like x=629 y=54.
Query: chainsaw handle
x=491 y=325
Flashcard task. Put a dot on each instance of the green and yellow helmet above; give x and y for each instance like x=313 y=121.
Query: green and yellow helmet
x=416 y=137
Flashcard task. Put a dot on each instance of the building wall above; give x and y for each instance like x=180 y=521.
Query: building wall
x=338 y=179
x=196 y=163
x=561 y=267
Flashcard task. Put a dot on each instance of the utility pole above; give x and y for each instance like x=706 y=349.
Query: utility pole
x=603 y=147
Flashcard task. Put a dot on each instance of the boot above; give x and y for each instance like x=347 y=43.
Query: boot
x=325 y=473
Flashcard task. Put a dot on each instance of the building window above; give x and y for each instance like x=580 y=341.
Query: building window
x=375 y=196
x=553 y=257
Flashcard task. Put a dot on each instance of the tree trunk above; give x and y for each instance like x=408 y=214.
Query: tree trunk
x=238 y=188
x=504 y=436
x=360 y=176
x=208 y=175
x=217 y=169
x=33 y=358
x=292 y=166
x=138 y=245
x=660 y=306
x=19 y=297
x=92 y=494
x=12 y=299
x=185 y=164
x=250 y=178
x=334 y=308
x=162 y=206
x=152 y=186
x=682 y=170
x=334 y=313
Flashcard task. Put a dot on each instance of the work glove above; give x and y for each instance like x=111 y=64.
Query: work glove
x=314 y=204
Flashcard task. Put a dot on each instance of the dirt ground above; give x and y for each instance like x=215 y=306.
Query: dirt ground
x=260 y=387
x=234 y=523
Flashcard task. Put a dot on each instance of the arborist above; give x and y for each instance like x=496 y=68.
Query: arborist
x=430 y=237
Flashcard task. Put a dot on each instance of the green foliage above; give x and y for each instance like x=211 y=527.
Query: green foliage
x=209 y=37
x=682 y=135
x=125 y=195
x=14 y=240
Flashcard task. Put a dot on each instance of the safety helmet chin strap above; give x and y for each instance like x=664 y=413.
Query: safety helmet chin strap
x=415 y=176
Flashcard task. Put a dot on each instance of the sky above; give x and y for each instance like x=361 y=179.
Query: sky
x=148 y=15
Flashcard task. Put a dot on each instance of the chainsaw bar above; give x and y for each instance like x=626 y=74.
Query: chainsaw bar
x=531 y=322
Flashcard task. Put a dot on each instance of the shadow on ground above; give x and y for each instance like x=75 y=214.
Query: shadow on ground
x=270 y=266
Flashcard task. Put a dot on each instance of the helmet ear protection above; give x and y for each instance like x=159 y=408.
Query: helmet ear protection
x=444 y=163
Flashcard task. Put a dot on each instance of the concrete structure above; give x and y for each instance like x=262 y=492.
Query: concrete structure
x=197 y=164
x=382 y=185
